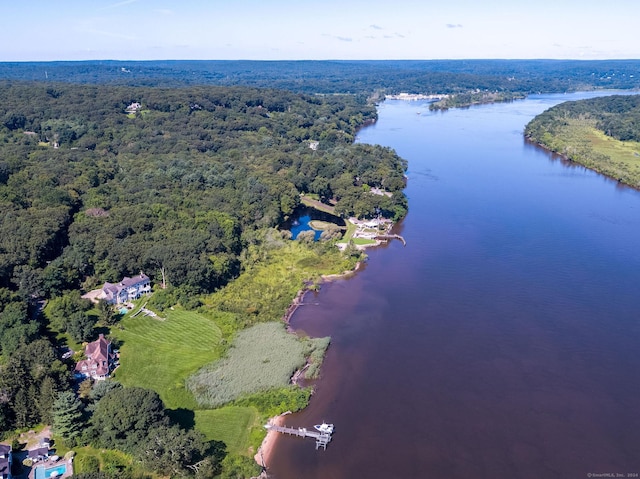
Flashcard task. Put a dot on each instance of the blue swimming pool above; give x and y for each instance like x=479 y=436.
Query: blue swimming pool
x=42 y=473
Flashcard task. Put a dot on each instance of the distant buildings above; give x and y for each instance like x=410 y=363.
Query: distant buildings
x=414 y=97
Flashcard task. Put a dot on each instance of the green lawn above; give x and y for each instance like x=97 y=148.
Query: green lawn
x=231 y=425
x=351 y=228
x=624 y=156
x=363 y=241
x=161 y=354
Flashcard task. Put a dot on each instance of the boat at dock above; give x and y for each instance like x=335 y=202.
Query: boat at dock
x=322 y=433
x=324 y=428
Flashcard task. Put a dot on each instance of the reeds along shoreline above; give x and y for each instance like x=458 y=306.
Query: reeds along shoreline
x=299 y=297
x=266 y=448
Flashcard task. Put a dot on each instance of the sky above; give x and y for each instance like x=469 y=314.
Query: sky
x=46 y=30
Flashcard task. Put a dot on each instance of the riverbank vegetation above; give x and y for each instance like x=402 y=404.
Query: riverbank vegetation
x=602 y=134
x=462 y=100
x=189 y=186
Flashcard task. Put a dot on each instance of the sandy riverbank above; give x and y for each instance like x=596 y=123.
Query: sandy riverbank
x=266 y=448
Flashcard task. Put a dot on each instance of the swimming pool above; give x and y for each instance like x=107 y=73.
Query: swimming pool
x=42 y=473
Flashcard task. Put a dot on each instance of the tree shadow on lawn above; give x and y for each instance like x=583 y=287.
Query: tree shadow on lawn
x=186 y=418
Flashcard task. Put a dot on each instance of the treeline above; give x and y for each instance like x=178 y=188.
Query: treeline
x=354 y=77
x=462 y=100
x=90 y=193
x=618 y=116
x=595 y=133
x=132 y=420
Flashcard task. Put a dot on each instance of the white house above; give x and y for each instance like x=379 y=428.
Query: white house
x=126 y=290
x=133 y=108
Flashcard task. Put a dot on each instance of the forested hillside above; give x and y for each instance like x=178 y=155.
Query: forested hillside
x=355 y=77
x=600 y=133
x=185 y=184
x=91 y=193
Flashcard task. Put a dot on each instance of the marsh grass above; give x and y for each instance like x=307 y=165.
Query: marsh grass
x=579 y=140
x=265 y=290
x=262 y=357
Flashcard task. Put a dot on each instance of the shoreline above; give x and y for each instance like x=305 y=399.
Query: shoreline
x=299 y=297
x=576 y=161
x=265 y=451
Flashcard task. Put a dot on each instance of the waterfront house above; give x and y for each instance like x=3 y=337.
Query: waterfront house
x=126 y=290
x=99 y=360
x=5 y=461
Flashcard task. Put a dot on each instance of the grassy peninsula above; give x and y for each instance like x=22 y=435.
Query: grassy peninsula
x=602 y=134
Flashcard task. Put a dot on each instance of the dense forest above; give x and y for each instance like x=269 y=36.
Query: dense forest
x=355 y=77
x=91 y=193
x=101 y=182
x=601 y=133
x=184 y=170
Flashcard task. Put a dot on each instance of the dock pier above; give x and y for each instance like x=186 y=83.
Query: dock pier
x=322 y=438
x=390 y=237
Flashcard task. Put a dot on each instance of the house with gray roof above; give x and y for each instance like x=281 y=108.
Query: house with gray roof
x=126 y=290
x=5 y=461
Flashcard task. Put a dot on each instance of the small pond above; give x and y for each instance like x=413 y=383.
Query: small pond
x=299 y=221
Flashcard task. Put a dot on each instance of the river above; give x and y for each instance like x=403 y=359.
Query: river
x=503 y=340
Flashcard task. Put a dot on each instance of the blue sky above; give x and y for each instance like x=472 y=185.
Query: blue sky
x=39 y=30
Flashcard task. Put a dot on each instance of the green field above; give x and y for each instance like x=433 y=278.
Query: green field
x=623 y=157
x=579 y=140
x=161 y=354
x=267 y=287
x=309 y=200
x=363 y=241
x=231 y=425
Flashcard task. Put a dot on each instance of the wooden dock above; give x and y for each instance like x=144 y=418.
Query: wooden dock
x=390 y=237
x=322 y=439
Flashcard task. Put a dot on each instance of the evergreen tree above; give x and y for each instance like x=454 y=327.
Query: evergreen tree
x=80 y=326
x=21 y=408
x=67 y=416
x=102 y=388
x=46 y=398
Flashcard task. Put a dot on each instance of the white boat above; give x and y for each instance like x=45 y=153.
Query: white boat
x=324 y=428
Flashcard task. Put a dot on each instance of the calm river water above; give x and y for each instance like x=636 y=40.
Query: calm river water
x=503 y=340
